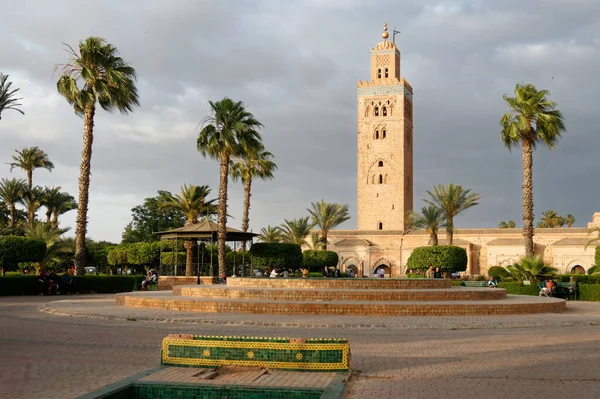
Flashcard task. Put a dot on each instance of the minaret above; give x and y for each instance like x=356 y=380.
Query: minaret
x=385 y=151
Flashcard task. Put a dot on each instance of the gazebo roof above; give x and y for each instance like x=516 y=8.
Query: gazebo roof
x=204 y=230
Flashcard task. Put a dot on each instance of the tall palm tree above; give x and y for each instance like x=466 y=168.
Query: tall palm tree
x=431 y=219
x=270 y=234
x=29 y=159
x=33 y=200
x=316 y=243
x=570 y=220
x=57 y=203
x=532 y=119
x=256 y=163
x=105 y=79
x=327 y=216
x=551 y=219
x=8 y=99
x=193 y=204
x=229 y=131
x=452 y=199
x=11 y=192
x=295 y=231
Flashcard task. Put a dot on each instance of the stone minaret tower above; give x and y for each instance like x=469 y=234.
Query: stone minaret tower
x=385 y=143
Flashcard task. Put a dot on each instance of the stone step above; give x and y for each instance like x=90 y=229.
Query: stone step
x=341 y=283
x=513 y=304
x=335 y=294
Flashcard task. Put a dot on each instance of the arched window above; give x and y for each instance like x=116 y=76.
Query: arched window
x=384 y=111
x=379 y=74
x=380 y=164
x=380 y=226
x=376 y=134
x=383 y=134
x=386 y=72
x=380 y=179
x=376 y=111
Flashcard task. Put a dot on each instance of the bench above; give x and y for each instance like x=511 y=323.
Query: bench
x=563 y=291
x=152 y=286
x=475 y=283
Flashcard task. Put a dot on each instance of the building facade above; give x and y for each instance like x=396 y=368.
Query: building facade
x=385 y=193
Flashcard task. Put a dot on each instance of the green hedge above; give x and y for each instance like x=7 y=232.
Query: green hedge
x=317 y=260
x=589 y=292
x=448 y=258
x=15 y=249
x=28 y=284
x=519 y=289
x=593 y=269
x=580 y=278
x=597 y=256
x=269 y=255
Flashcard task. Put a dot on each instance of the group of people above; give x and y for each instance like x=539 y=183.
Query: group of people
x=50 y=283
x=433 y=273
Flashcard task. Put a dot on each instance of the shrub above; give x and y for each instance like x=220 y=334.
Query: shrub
x=172 y=258
x=593 y=269
x=498 y=272
x=519 y=289
x=268 y=255
x=448 y=258
x=580 y=278
x=597 y=256
x=589 y=292
x=316 y=260
x=28 y=284
x=15 y=249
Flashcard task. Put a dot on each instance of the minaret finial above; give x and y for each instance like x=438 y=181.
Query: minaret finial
x=385 y=34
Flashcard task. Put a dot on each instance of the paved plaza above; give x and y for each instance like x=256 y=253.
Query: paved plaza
x=63 y=347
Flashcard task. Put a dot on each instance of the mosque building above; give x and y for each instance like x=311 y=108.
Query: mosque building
x=385 y=193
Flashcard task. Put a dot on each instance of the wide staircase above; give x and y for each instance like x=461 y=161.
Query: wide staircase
x=341 y=296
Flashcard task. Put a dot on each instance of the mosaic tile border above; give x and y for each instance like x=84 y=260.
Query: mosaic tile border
x=201 y=351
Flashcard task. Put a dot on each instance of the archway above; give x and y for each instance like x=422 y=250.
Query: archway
x=354 y=269
x=577 y=269
x=387 y=272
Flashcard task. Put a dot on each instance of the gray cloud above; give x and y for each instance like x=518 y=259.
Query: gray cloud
x=295 y=64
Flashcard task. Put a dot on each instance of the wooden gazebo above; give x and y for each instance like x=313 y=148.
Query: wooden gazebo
x=204 y=231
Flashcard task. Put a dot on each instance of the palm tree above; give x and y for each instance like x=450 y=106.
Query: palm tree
x=507 y=225
x=229 y=131
x=29 y=159
x=570 y=220
x=595 y=239
x=256 y=163
x=270 y=234
x=193 y=204
x=327 y=216
x=57 y=203
x=108 y=80
x=11 y=192
x=452 y=199
x=295 y=231
x=431 y=219
x=531 y=268
x=54 y=244
x=532 y=119
x=316 y=242
x=7 y=96
x=551 y=219
x=33 y=200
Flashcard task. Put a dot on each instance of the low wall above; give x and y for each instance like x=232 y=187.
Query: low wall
x=340 y=283
x=276 y=353
x=166 y=283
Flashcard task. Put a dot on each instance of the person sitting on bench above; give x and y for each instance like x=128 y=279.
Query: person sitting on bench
x=152 y=279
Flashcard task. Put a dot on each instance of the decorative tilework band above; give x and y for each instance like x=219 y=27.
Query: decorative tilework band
x=381 y=90
x=198 y=352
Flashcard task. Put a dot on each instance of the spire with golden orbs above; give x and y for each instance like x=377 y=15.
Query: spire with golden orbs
x=385 y=34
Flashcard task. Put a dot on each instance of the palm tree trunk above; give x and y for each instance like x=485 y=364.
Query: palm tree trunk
x=528 y=196
x=48 y=216
x=189 y=257
x=324 y=238
x=450 y=230
x=54 y=224
x=13 y=222
x=246 y=214
x=434 y=239
x=84 y=187
x=29 y=179
x=222 y=216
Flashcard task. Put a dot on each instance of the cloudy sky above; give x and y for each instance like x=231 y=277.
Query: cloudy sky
x=295 y=64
